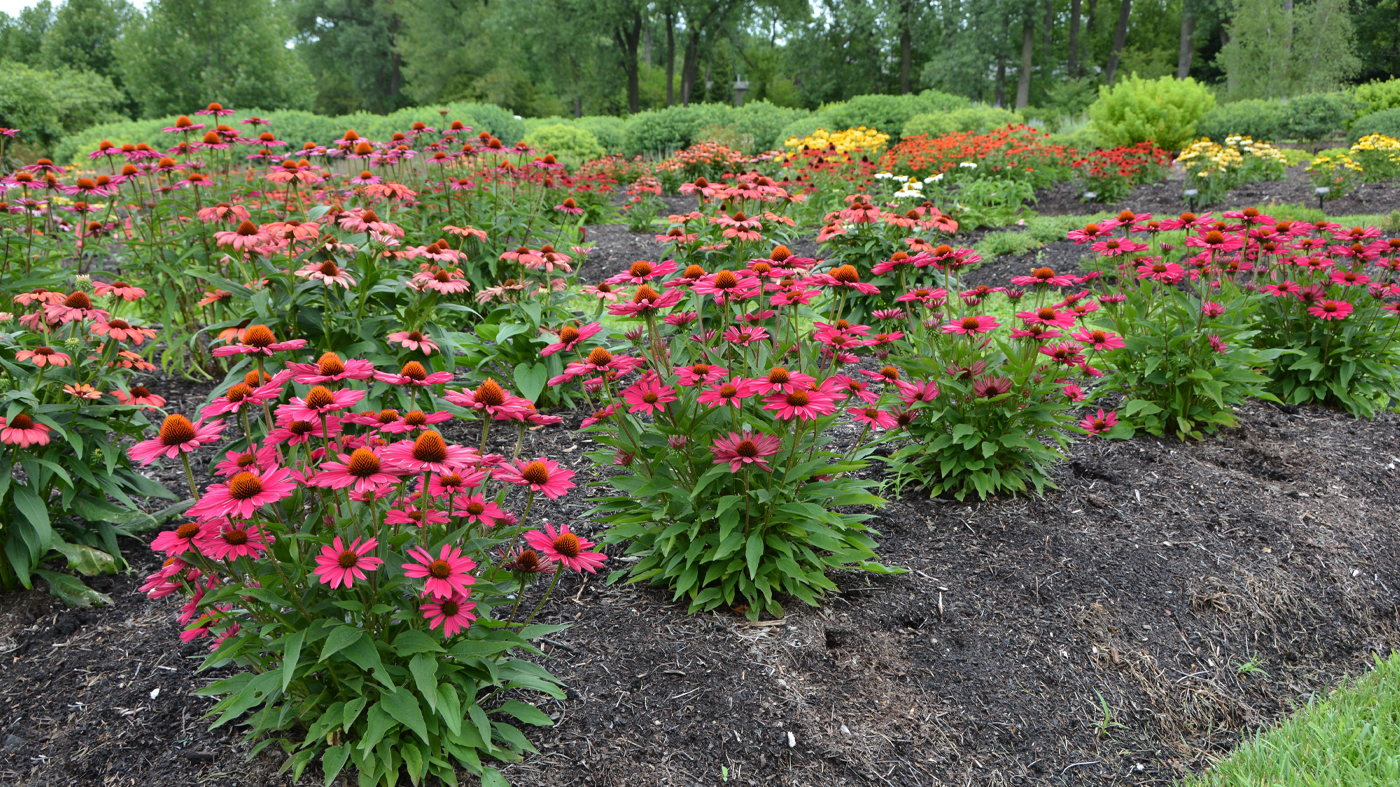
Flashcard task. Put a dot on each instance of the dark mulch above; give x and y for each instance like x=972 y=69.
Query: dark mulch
x=1165 y=198
x=1149 y=577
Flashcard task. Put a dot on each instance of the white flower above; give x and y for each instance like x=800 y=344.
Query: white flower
x=883 y=175
x=902 y=178
x=968 y=165
x=934 y=178
x=907 y=194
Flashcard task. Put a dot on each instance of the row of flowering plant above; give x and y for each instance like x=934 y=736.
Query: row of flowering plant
x=69 y=398
x=370 y=581
x=1110 y=174
x=991 y=405
x=1186 y=358
x=719 y=414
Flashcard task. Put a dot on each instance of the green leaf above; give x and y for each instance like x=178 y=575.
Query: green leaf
x=402 y=705
x=753 y=552
x=531 y=380
x=482 y=724
x=29 y=505
x=71 y=591
x=413 y=641
x=341 y=638
x=333 y=760
x=449 y=707
x=86 y=560
x=366 y=656
x=526 y=713
x=291 y=654
x=490 y=777
x=424 y=669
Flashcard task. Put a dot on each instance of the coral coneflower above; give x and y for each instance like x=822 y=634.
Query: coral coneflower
x=177 y=435
x=540 y=475
x=565 y=547
x=742 y=449
x=23 y=431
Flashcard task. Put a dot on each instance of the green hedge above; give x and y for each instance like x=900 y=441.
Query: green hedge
x=46 y=105
x=296 y=127
x=1255 y=118
x=665 y=130
x=978 y=119
x=1386 y=122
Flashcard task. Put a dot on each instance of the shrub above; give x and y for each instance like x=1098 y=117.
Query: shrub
x=66 y=488
x=888 y=113
x=1257 y=118
x=978 y=119
x=1185 y=359
x=611 y=132
x=1378 y=156
x=1376 y=96
x=565 y=141
x=765 y=122
x=989 y=409
x=371 y=637
x=1164 y=111
x=46 y=105
x=673 y=128
x=1316 y=116
x=1083 y=139
x=729 y=493
x=1385 y=122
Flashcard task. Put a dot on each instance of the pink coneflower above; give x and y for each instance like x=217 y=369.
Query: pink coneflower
x=1073 y=392
x=1047 y=315
x=799 y=404
x=247 y=236
x=328 y=273
x=569 y=338
x=477 y=509
x=320 y=401
x=643 y=271
x=296 y=431
x=366 y=221
x=1043 y=277
x=118 y=289
x=123 y=331
x=339 y=565
x=245 y=493
x=746 y=335
x=77 y=306
x=429 y=453
x=729 y=393
x=570 y=207
x=82 y=391
x=177 y=436
x=414 y=340
x=44 y=356
x=782 y=380
x=972 y=324
x=258 y=340
x=414 y=419
x=238 y=396
x=1100 y=422
x=565 y=547
x=447 y=575
x=139 y=396
x=873 y=417
x=493 y=400
x=361 y=470
x=414 y=374
x=181 y=539
x=365 y=178
x=231 y=540
x=1099 y=339
x=648 y=395
x=330 y=368
x=23 y=431
x=453 y=613
x=700 y=374
x=235 y=462
x=1331 y=310
x=742 y=449
x=540 y=475
x=1217 y=344
x=646 y=301
x=1212 y=309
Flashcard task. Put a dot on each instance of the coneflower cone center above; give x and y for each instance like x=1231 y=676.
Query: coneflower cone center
x=568 y=334
x=536 y=473
x=258 y=336
x=363 y=463
x=490 y=394
x=779 y=376
x=798 y=399
x=747 y=449
x=244 y=486
x=430 y=447
x=237 y=536
x=414 y=370
x=476 y=509
x=188 y=530
x=78 y=300
x=347 y=559
x=330 y=365
x=440 y=569
x=450 y=608
x=415 y=418
x=319 y=397
x=567 y=545
x=599 y=357
x=238 y=393
x=176 y=430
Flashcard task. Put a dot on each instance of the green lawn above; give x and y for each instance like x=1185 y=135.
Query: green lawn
x=1350 y=739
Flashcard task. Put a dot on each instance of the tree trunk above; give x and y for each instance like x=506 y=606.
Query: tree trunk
x=670 y=58
x=690 y=67
x=1049 y=26
x=1001 y=63
x=1089 y=23
x=1073 y=66
x=1120 y=37
x=1188 y=47
x=646 y=46
x=628 y=38
x=1287 y=45
x=906 y=36
x=1023 y=79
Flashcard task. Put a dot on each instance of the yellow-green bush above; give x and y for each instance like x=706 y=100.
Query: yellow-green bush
x=1164 y=111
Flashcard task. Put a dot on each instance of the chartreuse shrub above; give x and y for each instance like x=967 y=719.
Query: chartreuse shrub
x=67 y=488
x=367 y=582
x=1164 y=111
x=565 y=142
x=1376 y=96
x=1316 y=116
x=978 y=119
